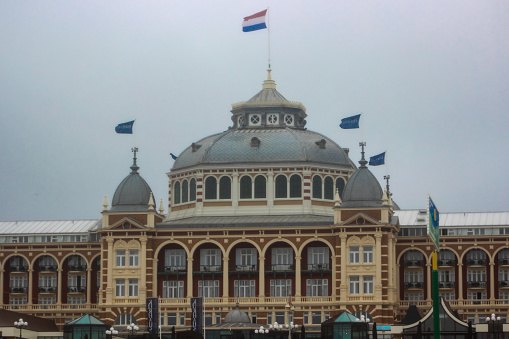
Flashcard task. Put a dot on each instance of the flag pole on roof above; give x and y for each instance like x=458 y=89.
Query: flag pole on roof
x=256 y=22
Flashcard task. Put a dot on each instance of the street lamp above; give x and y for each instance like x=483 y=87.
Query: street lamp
x=262 y=330
x=131 y=329
x=20 y=324
x=494 y=325
x=364 y=320
x=111 y=332
x=290 y=308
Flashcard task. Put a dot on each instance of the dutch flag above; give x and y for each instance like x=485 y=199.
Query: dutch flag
x=254 y=22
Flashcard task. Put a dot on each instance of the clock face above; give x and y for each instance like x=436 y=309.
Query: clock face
x=126 y=225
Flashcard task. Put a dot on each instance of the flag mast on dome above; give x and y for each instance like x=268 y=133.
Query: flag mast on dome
x=256 y=22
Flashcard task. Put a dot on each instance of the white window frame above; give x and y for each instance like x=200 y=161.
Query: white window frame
x=280 y=287
x=120 y=288
x=173 y=289
x=133 y=287
x=120 y=258
x=134 y=258
x=317 y=287
x=244 y=288
x=354 y=254
x=208 y=288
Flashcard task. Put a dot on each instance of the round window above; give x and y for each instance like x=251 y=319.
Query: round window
x=272 y=119
x=255 y=119
x=241 y=121
x=289 y=119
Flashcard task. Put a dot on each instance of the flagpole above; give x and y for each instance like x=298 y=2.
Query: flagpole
x=268 y=32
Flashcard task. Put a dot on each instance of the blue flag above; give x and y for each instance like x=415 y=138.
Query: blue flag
x=350 y=122
x=377 y=160
x=125 y=128
x=173 y=156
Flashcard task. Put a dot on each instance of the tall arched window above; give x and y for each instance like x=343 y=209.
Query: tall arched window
x=328 y=188
x=192 y=190
x=340 y=186
x=317 y=187
x=185 y=191
x=176 y=192
x=281 y=186
x=245 y=187
x=260 y=187
x=211 y=188
x=295 y=186
x=225 y=188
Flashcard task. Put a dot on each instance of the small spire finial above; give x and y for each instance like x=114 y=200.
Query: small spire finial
x=363 y=161
x=134 y=167
x=105 y=203
x=269 y=83
x=386 y=178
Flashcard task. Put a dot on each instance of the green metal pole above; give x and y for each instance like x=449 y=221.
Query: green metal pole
x=436 y=299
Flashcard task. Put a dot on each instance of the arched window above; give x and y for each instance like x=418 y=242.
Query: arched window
x=245 y=187
x=211 y=188
x=281 y=186
x=317 y=187
x=176 y=193
x=192 y=190
x=328 y=188
x=340 y=186
x=260 y=187
x=295 y=186
x=225 y=188
x=185 y=191
x=446 y=258
x=476 y=257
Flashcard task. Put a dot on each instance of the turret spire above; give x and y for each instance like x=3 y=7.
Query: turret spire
x=269 y=83
x=363 y=161
x=134 y=167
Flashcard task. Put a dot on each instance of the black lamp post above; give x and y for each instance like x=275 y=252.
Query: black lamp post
x=131 y=329
x=111 y=332
x=494 y=325
x=20 y=324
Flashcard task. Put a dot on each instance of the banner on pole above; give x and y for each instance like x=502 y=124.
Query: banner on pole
x=153 y=315
x=433 y=220
x=197 y=314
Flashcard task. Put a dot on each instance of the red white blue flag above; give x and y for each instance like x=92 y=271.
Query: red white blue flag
x=254 y=22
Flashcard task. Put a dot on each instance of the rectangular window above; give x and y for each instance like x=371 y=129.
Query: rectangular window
x=316 y=317
x=244 y=288
x=318 y=258
x=367 y=254
x=448 y=295
x=317 y=287
x=133 y=258
x=280 y=287
x=282 y=259
x=414 y=276
x=120 y=258
x=120 y=287
x=77 y=283
x=210 y=259
x=367 y=283
x=354 y=285
x=76 y=300
x=172 y=319
x=173 y=289
x=18 y=281
x=280 y=317
x=208 y=288
x=133 y=287
x=503 y=277
x=17 y=300
x=446 y=276
x=208 y=319
x=414 y=296
x=47 y=281
x=476 y=295
x=476 y=275
x=355 y=255
x=245 y=259
x=175 y=260
x=47 y=301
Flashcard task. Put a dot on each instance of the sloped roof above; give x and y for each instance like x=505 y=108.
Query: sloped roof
x=474 y=219
x=87 y=319
x=7 y=319
x=49 y=226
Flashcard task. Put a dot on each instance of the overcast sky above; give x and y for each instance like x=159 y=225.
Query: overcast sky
x=431 y=79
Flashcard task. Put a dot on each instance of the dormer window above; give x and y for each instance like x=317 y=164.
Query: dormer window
x=272 y=119
x=289 y=119
x=255 y=119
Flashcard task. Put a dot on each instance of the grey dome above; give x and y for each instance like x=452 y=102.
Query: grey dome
x=237 y=316
x=275 y=145
x=133 y=193
x=362 y=189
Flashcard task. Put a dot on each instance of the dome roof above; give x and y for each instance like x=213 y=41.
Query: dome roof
x=237 y=316
x=262 y=146
x=362 y=189
x=133 y=193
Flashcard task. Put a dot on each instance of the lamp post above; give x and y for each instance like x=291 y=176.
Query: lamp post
x=131 y=329
x=365 y=320
x=262 y=330
x=20 y=324
x=111 y=332
x=494 y=325
x=289 y=309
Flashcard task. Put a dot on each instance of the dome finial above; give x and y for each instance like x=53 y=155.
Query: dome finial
x=363 y=161
x=134 y=167
x=269 y=83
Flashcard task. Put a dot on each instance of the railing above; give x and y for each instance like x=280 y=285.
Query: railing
x=76 y=289
x=207 y=268
x=414 y=263
x=446 y=263
x=19 y=268
x=318 y=267
x=18 y=289
x=79 y=268
x=476 y=284
x=50 y=307
x=47 y=268
x=446 y=284
x=243 y=268
x=281 y=267
x=503 y=261
x=171 y=269
x=476 y=262
x=47 y=289
x=414 y=285
x=503 y=283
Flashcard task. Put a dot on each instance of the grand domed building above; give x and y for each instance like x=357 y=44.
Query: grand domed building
x=268 y=215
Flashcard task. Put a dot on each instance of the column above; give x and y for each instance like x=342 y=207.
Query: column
x=111 y=261
x=298 y=277
x=492 y=281
x=143 y=280
x=270 y=188
x=261 y=278
x=89 y=283
x=344 y=258
x=30 y=286
x=226 y=283
x=460 y=282
x=235 y=190
x=378 y=264
x=429 y=282
x=59 y=286
x=189 y=277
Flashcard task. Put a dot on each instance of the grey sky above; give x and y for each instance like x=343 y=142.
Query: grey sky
x=430 y=77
